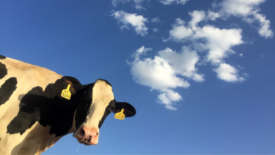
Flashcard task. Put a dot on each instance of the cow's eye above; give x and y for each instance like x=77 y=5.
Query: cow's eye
x=110 y=108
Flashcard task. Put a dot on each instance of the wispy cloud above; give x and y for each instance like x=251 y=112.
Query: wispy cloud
x=155 y=20
x=138 y=6
x=131 y=20
x=155 y=29
x=228 y=73
x=137 y=3
x=116 y=2
x=248 y=10
x=169 y=2
x=217 y=42
x=165 y=72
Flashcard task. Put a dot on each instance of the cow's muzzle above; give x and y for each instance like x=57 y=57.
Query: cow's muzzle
x=87 y=136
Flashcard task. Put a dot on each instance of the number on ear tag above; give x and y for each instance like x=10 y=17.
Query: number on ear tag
x=120 y=115
x=66 y=93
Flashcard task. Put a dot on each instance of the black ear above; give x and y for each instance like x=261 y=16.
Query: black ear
x=129 y=110
x=75 y=84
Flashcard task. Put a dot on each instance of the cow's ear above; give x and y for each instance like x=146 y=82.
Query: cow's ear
x=129 y=110
x=75 y=84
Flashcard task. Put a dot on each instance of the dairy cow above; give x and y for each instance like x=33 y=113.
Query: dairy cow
x=34 y=114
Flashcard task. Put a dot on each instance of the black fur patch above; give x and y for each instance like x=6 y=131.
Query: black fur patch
x=82 y=109
x=108 y=110
x=3 y=70
x=2 y=57
x=7 y=90
x=47 y=107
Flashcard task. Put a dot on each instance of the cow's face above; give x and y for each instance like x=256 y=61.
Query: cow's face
x=97 y=103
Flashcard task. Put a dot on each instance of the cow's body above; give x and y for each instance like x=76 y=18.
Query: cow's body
x=34 y=115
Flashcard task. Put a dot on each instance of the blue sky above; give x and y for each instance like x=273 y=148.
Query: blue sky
x=200 y=73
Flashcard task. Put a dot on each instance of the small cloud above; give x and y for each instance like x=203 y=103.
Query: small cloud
x=179 y=21
x=179 y=31
x=213 y=15
x=228 y=73
x=264 y=30
x=133 y=20
x=262 y=55
x=115 y=2
x=168 y=97
x=137 y=3
x=241 y=55
x=155 y=29
x=169 y=2
x=197 y=16
x=155 y=20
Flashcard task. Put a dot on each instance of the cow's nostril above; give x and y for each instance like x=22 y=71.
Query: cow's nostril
x=82 y=133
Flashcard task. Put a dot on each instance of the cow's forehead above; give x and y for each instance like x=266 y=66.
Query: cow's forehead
x=102 y=95
x=102 y=91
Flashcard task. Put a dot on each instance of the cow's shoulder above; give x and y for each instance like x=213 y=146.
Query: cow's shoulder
x=48 y=107
x=39 y=92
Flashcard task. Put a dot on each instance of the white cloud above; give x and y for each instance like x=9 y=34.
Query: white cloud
x=115 y=2
x=179 y=21
x=134 y=20
x=179 y=31
x=136 y=2
x=197 y=16
x=168 y=97
x=213 y=15
x=169 y=69
x=183 y=63
x=138 y=5
x=141 y=51
x=265 y=25
x=164 y=72
x=156 y=73
x=249 y=11
x=239 y=7
x=155 y=20
x=155 y=29
x=217 y=41
x=169 y=2
x=228 y=73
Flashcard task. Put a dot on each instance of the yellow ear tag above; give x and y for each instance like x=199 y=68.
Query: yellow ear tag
x=66 y=93
x=120 y=115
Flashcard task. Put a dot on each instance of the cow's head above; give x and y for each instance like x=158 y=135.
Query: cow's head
x=97 y=102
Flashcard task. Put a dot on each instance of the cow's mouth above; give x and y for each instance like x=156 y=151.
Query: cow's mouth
x=81 y=141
